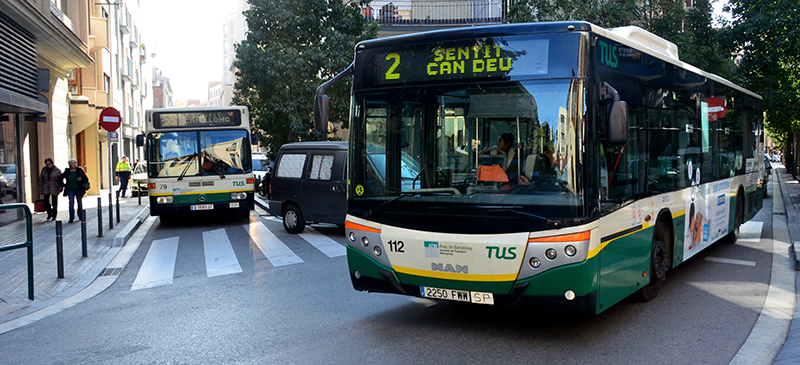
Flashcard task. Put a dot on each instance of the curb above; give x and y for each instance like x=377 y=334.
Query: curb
x=88 y=286
x=127 y=232
x=261 y=203
x=768 y=336
x=791 y=216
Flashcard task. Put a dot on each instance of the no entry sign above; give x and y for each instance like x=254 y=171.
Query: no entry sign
x=110 y=119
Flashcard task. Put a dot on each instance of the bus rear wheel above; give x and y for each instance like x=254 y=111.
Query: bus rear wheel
x=658 y=269
x=293 y=219
x=734 y=235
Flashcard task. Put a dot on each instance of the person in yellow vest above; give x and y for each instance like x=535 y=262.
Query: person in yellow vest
x=123 y=173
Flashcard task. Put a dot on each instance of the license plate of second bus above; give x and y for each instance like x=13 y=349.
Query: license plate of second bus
x=457 y=295
x=203 y=207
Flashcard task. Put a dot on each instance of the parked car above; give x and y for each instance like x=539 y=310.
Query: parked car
x=10 y=174
x=138 y=182
x=309 y=184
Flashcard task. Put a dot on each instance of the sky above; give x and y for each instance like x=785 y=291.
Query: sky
x=186 y=36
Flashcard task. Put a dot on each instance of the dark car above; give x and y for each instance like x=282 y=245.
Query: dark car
x=309 y=184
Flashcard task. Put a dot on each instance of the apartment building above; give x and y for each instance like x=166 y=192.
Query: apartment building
x=42 y=42
x=234 y=30
x=113 y=79
x=162 y=91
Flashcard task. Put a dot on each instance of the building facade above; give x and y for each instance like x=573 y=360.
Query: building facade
x=162 y=91
x=42 y=42
x=114 y=79
x=234 y=30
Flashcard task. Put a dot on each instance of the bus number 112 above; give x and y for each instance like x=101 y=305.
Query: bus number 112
x=396 y=246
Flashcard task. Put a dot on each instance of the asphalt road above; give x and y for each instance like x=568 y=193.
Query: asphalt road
x=306 y=312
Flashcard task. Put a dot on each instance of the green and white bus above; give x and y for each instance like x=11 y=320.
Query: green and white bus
x=551 y=165
x=198 y=159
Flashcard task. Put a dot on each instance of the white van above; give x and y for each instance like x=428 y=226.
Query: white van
x=260 y=165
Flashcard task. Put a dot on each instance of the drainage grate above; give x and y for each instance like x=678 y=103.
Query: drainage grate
x=110 y=271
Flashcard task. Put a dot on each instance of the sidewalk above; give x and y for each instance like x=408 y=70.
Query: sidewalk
x=790 y=190
x=79 y=272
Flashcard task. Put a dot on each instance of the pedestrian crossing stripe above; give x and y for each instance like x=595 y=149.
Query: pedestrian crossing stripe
x=324 y=243
x=158 y=267
x=220 y=258
x=276 y=252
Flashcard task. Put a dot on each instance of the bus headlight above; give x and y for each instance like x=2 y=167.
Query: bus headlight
x=239 y=196
x=570 y=250
x=164 y=200
x=550 y=254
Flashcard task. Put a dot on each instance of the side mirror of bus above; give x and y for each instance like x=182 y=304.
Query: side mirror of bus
x=253 y=138
x=140 y=140
x=321 y=109
x=617 y=123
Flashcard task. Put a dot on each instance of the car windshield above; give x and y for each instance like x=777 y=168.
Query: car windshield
x=260 y=164
x=198 y=153
x=512 y=146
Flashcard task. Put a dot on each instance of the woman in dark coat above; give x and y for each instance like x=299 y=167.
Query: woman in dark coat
x=73 y=180
x=50 y=187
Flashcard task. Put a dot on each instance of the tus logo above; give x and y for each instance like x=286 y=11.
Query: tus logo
x=502 y=253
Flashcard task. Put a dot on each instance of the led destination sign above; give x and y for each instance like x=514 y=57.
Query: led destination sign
x=481 y=58
x=225 y=118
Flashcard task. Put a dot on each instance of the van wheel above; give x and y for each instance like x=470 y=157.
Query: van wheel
x=293 y=219
x=658 y=269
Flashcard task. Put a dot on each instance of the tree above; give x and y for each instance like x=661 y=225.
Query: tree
x=702 y=45
x=605 y=13
x=765 y=35
x=292 y=47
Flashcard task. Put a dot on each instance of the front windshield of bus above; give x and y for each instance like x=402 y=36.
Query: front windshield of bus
x=198 y=153
x=509 y=149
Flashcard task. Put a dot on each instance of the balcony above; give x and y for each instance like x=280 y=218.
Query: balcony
x=439 y=13
x=142 y=54
x=127 y=73
x=143 y=94
x=99 y=28
x=135 y=81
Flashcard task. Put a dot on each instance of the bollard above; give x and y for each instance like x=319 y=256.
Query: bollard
x=110 y=210
x=117 y=208
x=84 y=252
x=59 y=250
x=99 y=217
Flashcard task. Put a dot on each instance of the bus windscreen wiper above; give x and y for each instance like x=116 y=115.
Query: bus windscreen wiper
x=188 y=163
x=217 y=167
x=382 y=206
x=555 y=223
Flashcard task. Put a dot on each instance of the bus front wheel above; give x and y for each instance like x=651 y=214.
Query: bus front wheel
x=658 y=269
x=293 y=219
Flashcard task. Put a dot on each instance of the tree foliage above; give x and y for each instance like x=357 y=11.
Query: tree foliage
x=765 y=34
x=292 y=47
x=702 y=45
x=699 y=44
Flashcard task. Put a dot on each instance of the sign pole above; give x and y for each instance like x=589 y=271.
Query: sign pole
x=110 y=188
x=110 y=120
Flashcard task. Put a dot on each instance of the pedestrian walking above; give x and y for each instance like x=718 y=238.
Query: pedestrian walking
x=75 y=182
x=50 y=187
x=123 y=174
